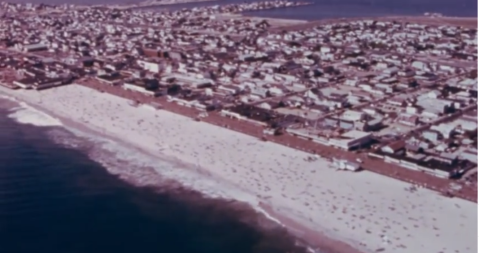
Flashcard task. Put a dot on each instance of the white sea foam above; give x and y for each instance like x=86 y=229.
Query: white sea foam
x=267 y=215
x=26 y=114
x=135 y=162
x=141 y=169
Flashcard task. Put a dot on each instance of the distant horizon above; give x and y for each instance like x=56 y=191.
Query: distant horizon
x=321 y=9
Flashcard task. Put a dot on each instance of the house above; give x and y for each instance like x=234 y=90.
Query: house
x=115 y=66
x=346 y=124
x=434 y=94
x=395 y=148
x=275 y=91
x=330 y=121
x=228 y=89
x=111 y=79
x=350 y=115
x=445 y=129
x=369 y=110
x=407 y=73
x=151 y=66
x=434 y=107
x=431 y=135
x=259 y=91
x=145 y=86
x=373 y=124
x=408 y=119
x=419 y=65
x=386 y=88
x=448 y=158
x=34 y=47
x=174 y=55
x=413 y=149
x=381 y=66
x=469 y=154
x=351 y=82
x=467 y=125
x=397 y=101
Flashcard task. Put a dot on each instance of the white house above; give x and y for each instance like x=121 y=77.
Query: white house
x=150 y=66
x=419 y=65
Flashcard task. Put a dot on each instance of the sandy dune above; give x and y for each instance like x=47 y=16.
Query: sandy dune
x=365 y=209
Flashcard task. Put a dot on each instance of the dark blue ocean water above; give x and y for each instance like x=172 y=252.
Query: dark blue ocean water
x=323 y=9
x=56 y=199
x=330 y=8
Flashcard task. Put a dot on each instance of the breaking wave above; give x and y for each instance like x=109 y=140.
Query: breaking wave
x=26 y=114
x=142 y=169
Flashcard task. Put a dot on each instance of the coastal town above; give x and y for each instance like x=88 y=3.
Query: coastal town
x=361 y=93
x=364 y=129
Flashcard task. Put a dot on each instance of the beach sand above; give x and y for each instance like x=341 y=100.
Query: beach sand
x=365 y=210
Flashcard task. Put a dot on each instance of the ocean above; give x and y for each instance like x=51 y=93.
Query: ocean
x=65 y=191
x=322 y=9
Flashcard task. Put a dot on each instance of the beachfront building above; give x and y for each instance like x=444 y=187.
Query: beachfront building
x=34 y=47
x=351 y=140
x=25 y=83
x=145 y=86
x=40 y=84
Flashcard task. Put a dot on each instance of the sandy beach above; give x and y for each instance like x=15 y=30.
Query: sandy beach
x=365 y=210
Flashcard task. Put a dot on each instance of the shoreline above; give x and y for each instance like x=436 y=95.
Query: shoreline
x=317 y=239
x=217 y=171
x=467 y=22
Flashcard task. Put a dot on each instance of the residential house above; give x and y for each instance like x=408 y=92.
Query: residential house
x=431 y=135
x=396 y=148
x=408 y=119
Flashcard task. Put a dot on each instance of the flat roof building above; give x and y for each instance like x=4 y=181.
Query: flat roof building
x=351 y=140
